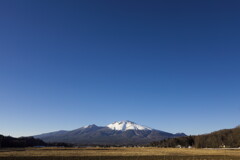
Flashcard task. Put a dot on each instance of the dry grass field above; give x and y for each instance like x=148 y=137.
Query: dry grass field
x=146 y=153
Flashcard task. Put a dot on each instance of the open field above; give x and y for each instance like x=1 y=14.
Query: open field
x=118 y=154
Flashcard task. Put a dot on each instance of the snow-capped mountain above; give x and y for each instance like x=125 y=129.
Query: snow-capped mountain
x=126 y=125
x=116 y=133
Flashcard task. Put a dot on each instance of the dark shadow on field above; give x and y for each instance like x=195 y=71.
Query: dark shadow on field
x=125 y=158
x=57 y=149
x=10 y=150
x=79 y=149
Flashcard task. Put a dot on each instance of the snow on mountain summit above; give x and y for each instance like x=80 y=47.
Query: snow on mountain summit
x=126 y=125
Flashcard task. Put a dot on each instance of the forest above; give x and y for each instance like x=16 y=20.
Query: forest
x=229 y=138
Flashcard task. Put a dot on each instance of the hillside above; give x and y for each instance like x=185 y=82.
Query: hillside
x=7 y=141
x=222 y=138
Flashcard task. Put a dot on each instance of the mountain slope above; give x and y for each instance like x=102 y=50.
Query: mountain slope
x=117 y=133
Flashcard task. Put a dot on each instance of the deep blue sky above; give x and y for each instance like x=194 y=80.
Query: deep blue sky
x=168 y=64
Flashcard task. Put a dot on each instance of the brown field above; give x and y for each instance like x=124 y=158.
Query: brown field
x=146 y=153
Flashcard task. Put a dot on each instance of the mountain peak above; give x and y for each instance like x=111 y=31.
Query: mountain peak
x=126 y=125
x=90 y=126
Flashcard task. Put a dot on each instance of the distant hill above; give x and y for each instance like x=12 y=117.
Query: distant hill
x=222 y=138
x=7 y=142
x=117 y=133
x=11 y=142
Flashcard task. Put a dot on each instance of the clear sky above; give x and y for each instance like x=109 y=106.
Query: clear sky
x=168 y=64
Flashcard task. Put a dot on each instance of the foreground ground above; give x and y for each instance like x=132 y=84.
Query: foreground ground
x=118 y=154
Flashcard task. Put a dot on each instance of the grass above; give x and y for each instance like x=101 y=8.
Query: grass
x=146 y=153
